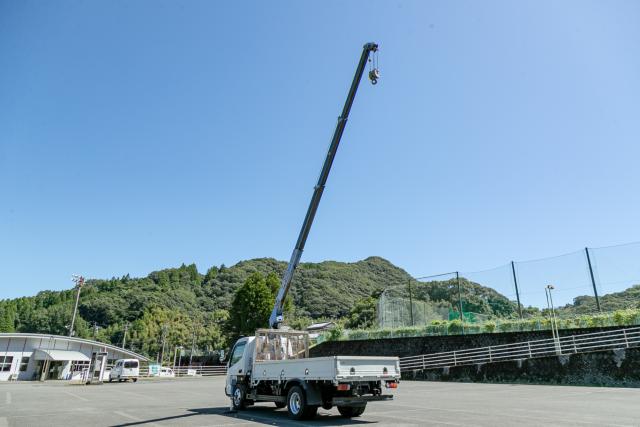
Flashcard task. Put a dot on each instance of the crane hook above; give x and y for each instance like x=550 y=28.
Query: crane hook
x=374 y=75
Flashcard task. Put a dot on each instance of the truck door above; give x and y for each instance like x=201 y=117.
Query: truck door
x=236 y=364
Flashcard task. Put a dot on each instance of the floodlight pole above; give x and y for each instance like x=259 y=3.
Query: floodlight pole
x=79 y=281
x=554 y=323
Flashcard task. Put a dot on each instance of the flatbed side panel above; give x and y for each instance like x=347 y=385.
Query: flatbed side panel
x=315 y=368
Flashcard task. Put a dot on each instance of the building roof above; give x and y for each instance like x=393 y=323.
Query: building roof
x=321 y=326
x=61 y=338
x=58 y=355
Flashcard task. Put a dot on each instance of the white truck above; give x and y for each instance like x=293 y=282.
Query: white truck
x=274 y=366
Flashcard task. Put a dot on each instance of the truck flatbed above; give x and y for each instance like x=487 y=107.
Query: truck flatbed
x=334 y=368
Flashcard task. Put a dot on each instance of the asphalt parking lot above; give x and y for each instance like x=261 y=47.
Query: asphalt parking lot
x=201 y=402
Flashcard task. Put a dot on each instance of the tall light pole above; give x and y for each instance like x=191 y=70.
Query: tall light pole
x=79 y=281
x=554 y=323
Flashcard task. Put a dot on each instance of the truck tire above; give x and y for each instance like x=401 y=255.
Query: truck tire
x=297 y=405
x=351 y=411
x=280 y=405
x=238 y=397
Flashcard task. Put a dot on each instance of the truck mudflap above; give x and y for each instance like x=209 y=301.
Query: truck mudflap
x=356 y=400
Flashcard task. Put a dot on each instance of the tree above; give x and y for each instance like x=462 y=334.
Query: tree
x=251 y=306
x=363 y=314
x=273 y=282
x=7 y=317
x=211 y=274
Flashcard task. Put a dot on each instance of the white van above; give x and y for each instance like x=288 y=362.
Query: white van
x=125 y=369
x=166 y=372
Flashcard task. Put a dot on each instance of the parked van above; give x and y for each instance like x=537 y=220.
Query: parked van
x=166 y=372
x=125 y=369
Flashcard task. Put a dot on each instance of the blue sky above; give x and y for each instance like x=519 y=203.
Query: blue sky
x=140 y=135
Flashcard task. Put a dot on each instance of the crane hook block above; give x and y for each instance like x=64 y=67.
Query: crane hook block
x=374 y=75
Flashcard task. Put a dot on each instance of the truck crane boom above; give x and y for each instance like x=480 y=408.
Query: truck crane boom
x=276 y=318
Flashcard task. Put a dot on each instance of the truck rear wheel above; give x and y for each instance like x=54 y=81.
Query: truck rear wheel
x=351 y=411
x=280 y=405
x=297 y=405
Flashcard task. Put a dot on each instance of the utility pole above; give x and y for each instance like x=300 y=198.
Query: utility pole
x=175 y=355
x=193 y=343
x=95 y=331
x=164 y=338
x=124 y=337
x=79 y=281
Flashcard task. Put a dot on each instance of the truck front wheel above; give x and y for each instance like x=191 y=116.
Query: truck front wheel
x=297 y=405
x=238 y=397
x=351 y=411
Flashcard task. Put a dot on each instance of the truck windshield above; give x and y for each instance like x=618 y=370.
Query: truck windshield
x=237 y=353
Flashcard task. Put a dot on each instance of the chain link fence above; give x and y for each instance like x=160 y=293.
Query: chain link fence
x=591 y=281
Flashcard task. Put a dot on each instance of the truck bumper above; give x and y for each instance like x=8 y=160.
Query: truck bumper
x=359 y=400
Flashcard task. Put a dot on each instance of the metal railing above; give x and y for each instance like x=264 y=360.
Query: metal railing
x=204 y=371
x=572 y=344
x=183 y=371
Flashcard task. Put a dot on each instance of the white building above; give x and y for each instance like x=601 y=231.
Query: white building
x=44 y=356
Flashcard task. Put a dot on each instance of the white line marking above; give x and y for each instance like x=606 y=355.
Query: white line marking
x=7 y=399
x=145 y=396
x=53 y=414
x=76 y=396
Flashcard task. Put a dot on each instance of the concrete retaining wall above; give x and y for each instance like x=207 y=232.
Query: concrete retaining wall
x=607 y=368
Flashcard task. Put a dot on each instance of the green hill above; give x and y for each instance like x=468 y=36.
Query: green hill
x=585 y=304
x=185 y=305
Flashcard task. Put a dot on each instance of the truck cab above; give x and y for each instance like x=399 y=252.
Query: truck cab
x=274 y=366
x=238 y=365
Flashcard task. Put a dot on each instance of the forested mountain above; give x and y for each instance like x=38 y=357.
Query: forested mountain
x=184 y=304
x=629 y=298
x=189 y=304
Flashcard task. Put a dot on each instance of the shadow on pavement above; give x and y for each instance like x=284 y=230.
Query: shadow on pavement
x=258 y=414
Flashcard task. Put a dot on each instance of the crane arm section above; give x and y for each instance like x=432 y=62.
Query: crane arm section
x=276 y=318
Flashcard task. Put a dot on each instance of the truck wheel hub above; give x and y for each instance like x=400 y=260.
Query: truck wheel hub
x=237 y=397
x=294 y=403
